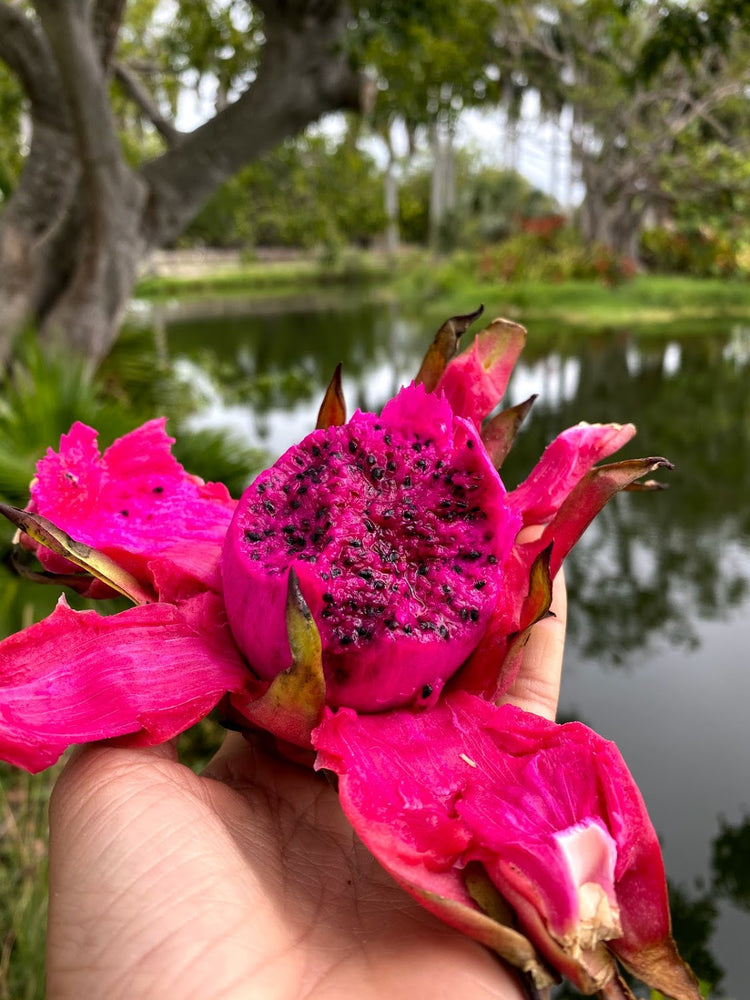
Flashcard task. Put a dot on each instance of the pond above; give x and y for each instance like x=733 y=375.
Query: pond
x=657 y=656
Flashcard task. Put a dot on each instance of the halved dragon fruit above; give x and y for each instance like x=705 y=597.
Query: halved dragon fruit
x=397 y=528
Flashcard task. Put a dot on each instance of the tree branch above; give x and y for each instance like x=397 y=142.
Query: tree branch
x=700 y=109
x=302 y=75
x=25 y=51
x=140 y=96
x=69 y=28
x=107 y=18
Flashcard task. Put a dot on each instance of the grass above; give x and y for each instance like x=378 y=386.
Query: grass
x=265 y=277
x=649 y=301
x=654 y=303
x=451 y=285
x=23 y=881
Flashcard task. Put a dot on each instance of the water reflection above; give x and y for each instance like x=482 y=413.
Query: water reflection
x=662 y=562
x=730 y=861
x=264 y=375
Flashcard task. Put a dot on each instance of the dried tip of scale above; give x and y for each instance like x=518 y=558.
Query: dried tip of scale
x=649 y=485
x=444 y=348
x=76 y=581
x=499 y=432
x=332 y=412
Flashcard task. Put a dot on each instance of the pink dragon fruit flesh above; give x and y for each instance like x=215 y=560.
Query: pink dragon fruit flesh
x=397 y=528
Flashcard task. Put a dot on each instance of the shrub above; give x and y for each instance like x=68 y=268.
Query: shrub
x=696 y=252
x=550 y=252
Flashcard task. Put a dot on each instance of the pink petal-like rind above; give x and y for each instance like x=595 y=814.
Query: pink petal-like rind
x=466 y=781
x=136 y=504
x=492 y=667
x=475 y=381
x=149 y=673
x=564 y=462
x=586 y=500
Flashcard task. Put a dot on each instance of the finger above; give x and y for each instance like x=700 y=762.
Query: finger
x=537 y=686
x=232 y=744
x=241 y=756
x=96 y=763
x=106 y=756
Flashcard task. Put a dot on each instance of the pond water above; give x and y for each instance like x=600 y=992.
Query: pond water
x=657 y=657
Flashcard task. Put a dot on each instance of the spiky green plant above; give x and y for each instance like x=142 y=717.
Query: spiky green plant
x=43 y=394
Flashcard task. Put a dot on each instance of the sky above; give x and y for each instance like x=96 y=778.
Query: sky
x=538 y=149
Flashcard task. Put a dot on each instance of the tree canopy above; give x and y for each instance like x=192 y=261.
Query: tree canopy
x=83 y=212
x=638 y=79
x=97 y=168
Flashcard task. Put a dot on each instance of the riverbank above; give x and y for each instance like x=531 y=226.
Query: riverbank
x=191 y=273
x=650 y=302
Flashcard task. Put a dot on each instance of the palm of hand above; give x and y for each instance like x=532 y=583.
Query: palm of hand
x=250 y=886
x=247 y=883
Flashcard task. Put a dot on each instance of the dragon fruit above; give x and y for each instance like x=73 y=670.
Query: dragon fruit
x=397 y=528
x=369 y=596
x=403 y=539
x=393 y=533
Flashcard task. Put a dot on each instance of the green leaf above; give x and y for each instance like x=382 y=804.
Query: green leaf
x=292 y=704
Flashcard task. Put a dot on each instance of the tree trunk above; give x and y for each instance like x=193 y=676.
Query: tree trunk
x=390 y=195
x=47 y=184
x=391 y=209
x=81 y=220
x=33 y=215
x=612 y=210
x=442 y=184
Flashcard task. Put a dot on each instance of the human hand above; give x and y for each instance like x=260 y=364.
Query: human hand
x=247 y=882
